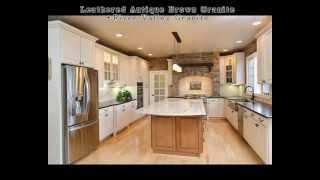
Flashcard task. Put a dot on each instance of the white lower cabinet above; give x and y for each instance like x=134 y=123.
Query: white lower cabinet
x=122 y=115
x=106 y=122
x=215 y=107
x=125 y=114
x=256 y=132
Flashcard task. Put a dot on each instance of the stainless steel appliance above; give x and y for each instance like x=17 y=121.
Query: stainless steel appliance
x=139 y=95
x=80 y=108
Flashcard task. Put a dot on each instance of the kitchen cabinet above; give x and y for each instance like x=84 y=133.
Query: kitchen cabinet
x=122 y=116
x=108 y=63
x=77 y=47
x=70 y=47
x=264 y=55
x=257 y=132
x=215 y=107
x=87 y=57
x=125 y=114
x=231 y=115
x=125 y=71
x=232 y=69
x=133 y=114
x=138 y=71
x=106 y=122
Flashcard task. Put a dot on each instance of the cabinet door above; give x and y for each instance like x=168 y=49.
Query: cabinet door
x=159 y=126
x=87 y=52
x=133 y=115
x=106 y=122
x=268 y=56
x=260 y=140
x=121 y=116
x=260 y=58
x=188 y=135
x=102 y=125
x=125 y=71
x=100 y=66
x=145 y=97
x=210 y=108
x=220 y=107
x=115 y=68
x=222 y=70
x=70 y=47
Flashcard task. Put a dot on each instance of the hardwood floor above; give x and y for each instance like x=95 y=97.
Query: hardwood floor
x=222 y=145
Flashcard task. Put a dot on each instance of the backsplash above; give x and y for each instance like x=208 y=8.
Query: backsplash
x=109 y=93
x=206 y=85
x=229 y=90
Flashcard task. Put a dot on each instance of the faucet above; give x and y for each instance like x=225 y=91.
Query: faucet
x=252 y=94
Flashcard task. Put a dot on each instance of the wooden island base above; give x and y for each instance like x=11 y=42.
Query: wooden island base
x=177 y=135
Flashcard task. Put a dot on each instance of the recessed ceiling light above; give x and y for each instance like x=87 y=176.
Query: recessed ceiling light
x=119 y=35
x=150 y=54
x=239 y=41
x=140 y=48
x=256 y=23
x=225 y=50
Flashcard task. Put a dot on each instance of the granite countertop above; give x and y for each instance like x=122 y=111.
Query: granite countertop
x=177 y=107
x=264 y=110
x=104 y=104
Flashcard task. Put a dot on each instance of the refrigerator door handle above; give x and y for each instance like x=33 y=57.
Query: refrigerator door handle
x=82 y=126
x=87 y=92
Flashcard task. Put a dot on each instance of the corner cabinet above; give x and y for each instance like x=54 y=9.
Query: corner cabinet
x=264 y=54
x=232 y=69
x=76 y=46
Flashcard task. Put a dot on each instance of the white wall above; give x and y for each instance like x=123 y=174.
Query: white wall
x=206 y=85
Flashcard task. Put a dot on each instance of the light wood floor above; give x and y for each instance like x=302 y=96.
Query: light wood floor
x=223 y=145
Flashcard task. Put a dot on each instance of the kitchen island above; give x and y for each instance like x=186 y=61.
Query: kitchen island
x=176 y=126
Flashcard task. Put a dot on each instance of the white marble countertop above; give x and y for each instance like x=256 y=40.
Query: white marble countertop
x=176 y=107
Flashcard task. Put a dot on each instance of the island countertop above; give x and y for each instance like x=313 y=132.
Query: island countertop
x=177 y=107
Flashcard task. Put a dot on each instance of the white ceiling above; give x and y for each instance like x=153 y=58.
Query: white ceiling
x=212 y=34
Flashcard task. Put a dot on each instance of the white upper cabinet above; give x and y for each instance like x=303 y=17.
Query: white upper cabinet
x=76 y=46
x=70 y=47
x=232 y=69
x=87 y=53
x=264 y=54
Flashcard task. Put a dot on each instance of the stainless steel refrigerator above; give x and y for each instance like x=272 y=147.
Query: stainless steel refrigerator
x=80 y=111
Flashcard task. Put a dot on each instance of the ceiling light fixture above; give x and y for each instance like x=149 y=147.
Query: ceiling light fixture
x=225 y=50
x=149 y=54
x=139 y=48
x=239 y=41
x=119 y=35
x=256 y=23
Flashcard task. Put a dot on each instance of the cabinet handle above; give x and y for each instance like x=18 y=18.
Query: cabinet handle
x=257 y=125
x=106 y=115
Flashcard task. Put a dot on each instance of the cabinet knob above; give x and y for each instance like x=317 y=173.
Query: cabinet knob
x=257 y=125
x=106 y=115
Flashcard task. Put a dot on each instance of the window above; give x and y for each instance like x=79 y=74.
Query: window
x=252 y=77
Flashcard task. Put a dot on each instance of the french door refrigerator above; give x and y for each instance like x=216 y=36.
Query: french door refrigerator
x=80 y=111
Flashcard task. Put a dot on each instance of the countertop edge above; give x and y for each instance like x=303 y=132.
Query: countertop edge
x=115 y=104
x=254 y=111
